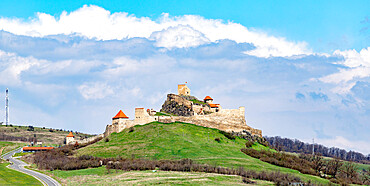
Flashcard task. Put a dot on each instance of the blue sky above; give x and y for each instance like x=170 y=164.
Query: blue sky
x=301 y=69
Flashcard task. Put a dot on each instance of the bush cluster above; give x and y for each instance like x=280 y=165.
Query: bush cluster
x=335 y=170
x=58 y=158
x=282 y=159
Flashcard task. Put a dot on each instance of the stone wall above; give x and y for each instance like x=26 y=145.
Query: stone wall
x=118 y=126
x=72 y=140
x=227 y=120
x=87 y=140
x=142 y=117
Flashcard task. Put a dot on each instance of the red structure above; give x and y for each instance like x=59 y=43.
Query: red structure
x=120 y=114
x=31 y=149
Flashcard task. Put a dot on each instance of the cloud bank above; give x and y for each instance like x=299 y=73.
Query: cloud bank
x=76 y=70
x=182 y=31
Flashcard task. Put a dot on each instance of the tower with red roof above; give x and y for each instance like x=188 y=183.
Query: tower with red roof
x=70 y=138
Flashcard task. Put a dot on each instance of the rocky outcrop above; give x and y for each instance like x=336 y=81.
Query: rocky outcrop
x=177 y=105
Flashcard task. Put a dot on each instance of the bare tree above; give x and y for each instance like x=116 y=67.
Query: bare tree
x=348 y=170
x=318 y=163
x=333 y=167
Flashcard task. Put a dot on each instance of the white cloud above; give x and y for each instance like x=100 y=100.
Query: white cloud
x=180 y=36
x=341 y=142
x=96 y=22
x=95 y=90
x=11 y=67
x=126 y=66
x=358 y=67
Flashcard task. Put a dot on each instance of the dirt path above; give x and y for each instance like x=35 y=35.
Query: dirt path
x=1 y=150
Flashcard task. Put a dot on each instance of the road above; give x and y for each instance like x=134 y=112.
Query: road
x=19 y=166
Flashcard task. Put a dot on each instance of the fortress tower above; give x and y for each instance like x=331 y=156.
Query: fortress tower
x=120 y=116
x=183 y=90
x=70 y=138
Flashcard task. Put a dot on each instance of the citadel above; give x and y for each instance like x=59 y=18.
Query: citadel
x=183 y=107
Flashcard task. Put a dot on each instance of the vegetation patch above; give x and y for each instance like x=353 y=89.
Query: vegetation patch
x=21 y=154
x=6 y=146
x=161 y=114
x=196 y=101
x=187 y=165
x=12 y=177
x=334 y=170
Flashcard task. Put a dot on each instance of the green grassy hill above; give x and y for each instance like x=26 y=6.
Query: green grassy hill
x=181 y=140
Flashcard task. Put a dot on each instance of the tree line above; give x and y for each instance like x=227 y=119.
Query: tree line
x=289 y=145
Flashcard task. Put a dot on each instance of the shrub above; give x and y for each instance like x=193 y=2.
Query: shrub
x=218 y=140
x=248 y=181
x=249 y=144
x=228 y=135
x=30 y=128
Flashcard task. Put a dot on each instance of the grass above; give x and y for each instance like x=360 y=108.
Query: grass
x=161 y=114
x=12 y=177
x=180 y=140
x=6 y=146
x=100 y=176
x=199 y=102
x=257 y=146
x=21 y=154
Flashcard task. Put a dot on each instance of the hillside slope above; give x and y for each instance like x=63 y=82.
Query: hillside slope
x=27 y=134
x=181 y=140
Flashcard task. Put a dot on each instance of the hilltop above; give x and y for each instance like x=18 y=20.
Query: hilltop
x=182 y=140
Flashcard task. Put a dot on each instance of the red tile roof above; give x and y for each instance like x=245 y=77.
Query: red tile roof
x=37 y=148
x=70 y=134
x=214 y=105
x=207 y=98
x=120 y=114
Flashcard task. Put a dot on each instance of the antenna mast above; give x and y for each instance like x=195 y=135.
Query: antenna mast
x=6 y=107
x=313 y=146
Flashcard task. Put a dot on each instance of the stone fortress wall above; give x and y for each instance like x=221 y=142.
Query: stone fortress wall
x=189 y=112
x=72 y=140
